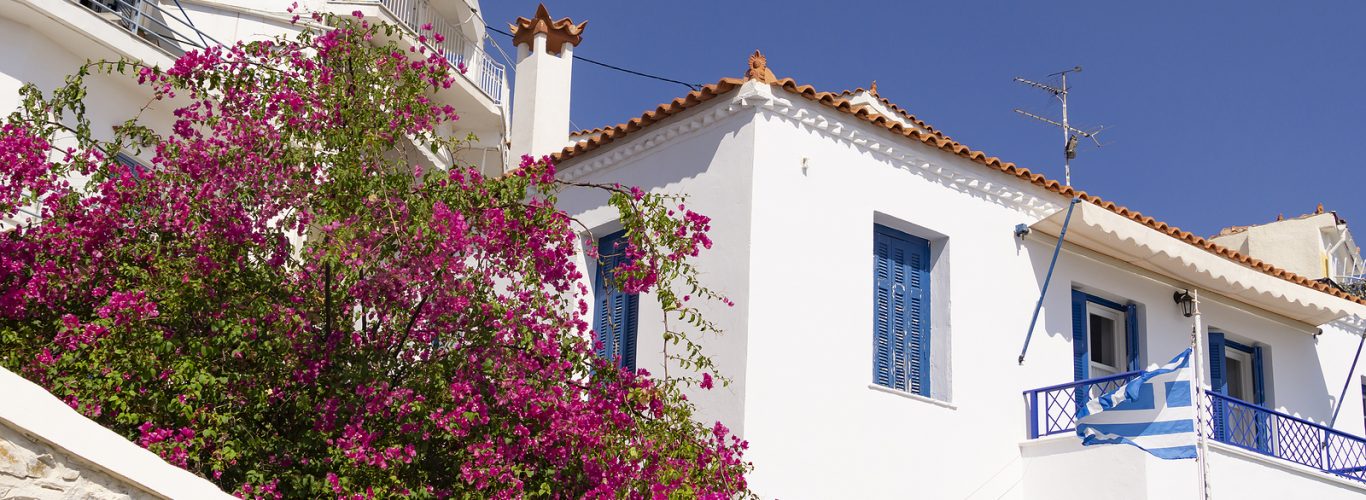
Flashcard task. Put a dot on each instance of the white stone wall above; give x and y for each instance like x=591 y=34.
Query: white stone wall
x=48 y=450
x=33 y=469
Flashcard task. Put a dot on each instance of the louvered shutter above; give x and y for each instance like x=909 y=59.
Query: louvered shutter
x=615 y=316
x=885 y=347
x=1258 y=376
x=901 y=303
x=1081 y=361
x=916 y=291
x=1131 y=335
x=1218 y=377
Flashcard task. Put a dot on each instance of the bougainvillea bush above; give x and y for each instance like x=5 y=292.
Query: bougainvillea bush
x=283 y=301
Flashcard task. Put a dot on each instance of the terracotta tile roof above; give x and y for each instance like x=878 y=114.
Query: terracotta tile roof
x=840 y=103
x=872 y=90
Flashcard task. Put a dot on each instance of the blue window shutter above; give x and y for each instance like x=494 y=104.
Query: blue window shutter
x=1263 y=422
x=883 y=345
x=917 y=294
x=901 y=303
x=616 y=313
x=1131 y=331
x=1218 y=382
x=1218 y=379
x=1081 y=360
x=1258 y=374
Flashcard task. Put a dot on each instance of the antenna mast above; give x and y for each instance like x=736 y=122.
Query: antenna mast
x=1069 y=133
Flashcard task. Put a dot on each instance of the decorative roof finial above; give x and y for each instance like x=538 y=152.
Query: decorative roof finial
x=758 y=69
x=872 y=89
x=1318 y=210
x=557 y=33
x=1280 y=217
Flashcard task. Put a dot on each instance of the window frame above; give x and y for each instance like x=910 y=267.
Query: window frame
x=1120 y=338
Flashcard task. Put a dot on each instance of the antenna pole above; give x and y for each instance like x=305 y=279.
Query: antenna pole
x=1066 y=135
x=1069 y=134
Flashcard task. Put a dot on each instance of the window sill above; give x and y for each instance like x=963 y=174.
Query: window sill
x=916 y=397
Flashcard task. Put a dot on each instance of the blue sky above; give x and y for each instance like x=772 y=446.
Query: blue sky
x=1217 y=113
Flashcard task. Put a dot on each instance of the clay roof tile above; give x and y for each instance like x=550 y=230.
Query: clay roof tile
x=758 y=70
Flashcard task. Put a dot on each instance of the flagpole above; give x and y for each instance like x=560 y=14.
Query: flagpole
x=1200 y=457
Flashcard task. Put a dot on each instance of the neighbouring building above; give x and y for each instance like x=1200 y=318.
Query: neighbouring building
x=885 y=276
x=48 y=450
x=1315 y=245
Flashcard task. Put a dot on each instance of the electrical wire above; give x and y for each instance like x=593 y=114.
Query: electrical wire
x=690 y=86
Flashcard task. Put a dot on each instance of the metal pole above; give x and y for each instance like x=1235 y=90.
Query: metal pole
x=1066 y=135
x=1348 y=383
x=1201 y=456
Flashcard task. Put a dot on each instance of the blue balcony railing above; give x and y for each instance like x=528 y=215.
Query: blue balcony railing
x=1053 y=410
x=1276 y=434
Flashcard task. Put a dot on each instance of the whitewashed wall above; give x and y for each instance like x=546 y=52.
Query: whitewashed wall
x=710 y=164
x=48 y=450
x=793 y=219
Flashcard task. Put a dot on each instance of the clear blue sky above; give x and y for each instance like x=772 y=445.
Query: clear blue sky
x=1216 y=115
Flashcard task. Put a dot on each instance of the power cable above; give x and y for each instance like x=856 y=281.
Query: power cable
x=690 y=86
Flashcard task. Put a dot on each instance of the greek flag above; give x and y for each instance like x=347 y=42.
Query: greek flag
x=1154 y=412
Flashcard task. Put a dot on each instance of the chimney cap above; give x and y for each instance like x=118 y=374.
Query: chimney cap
x=758 y=69
x=557 y=33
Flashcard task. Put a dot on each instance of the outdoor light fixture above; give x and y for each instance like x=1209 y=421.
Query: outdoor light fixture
x=1186 y=301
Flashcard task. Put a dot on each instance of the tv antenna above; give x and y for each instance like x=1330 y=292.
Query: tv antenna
x=1069 y=133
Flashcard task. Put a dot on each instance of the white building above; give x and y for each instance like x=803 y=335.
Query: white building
x=814 y=194
x=57 y=36
x=884 y=293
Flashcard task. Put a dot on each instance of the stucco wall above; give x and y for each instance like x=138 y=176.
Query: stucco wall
x=711 y=165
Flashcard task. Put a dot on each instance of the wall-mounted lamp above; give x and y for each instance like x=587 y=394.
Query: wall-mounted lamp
x=1021 y=230
x=1186 y=301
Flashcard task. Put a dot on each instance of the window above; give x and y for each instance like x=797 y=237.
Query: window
x=615 y=314
x=131 y=163
x=1104 y=336
x=901 y=311
x=1236 y=371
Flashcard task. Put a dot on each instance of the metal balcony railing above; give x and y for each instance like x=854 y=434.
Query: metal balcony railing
x=1276 y=434
x=460 y=52
x=162 y=24
x=1053 y=410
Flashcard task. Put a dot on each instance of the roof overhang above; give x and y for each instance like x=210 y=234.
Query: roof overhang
x=1111 y=234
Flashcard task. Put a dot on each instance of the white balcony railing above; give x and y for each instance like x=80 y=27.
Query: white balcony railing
x=165 y=26
x=460 y=51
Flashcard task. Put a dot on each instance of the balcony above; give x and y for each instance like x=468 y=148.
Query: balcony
x=1237 y=425
x=163 y=26
x=461 y=52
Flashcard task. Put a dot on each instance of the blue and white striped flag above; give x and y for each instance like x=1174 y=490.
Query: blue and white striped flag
x=1154 y=412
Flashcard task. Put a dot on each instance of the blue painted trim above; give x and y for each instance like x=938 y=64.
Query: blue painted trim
x=1237 y=345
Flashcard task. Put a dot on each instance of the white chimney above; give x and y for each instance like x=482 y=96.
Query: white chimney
x=540 y=95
